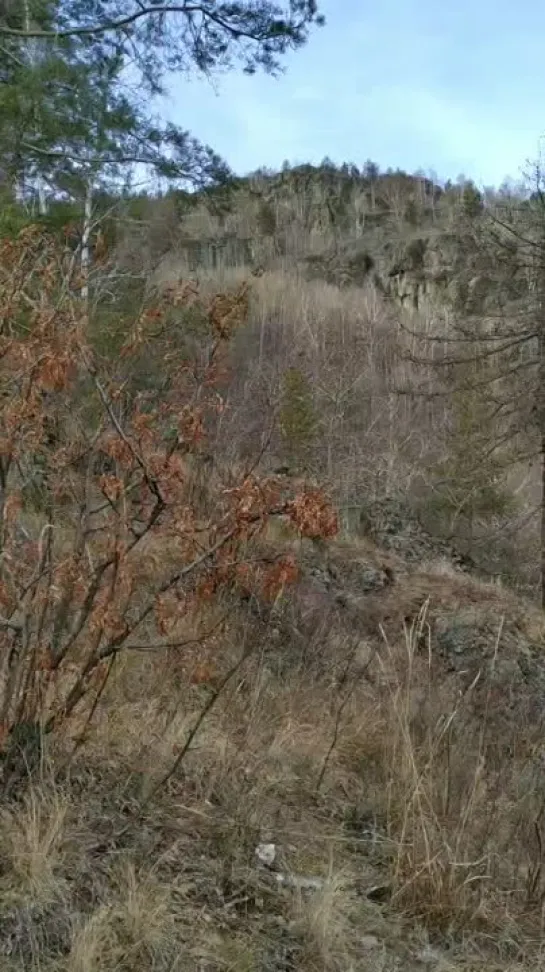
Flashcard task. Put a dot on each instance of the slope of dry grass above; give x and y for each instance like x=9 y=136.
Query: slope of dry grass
x=405 y=834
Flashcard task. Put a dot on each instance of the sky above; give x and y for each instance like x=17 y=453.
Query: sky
x=448 y=88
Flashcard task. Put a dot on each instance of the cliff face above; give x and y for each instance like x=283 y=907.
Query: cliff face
x=418 y=242
x=436 y=267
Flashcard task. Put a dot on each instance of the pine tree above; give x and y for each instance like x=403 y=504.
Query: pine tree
x=77 y=122
x=172 y=37
x=67 y=111
x=297 y=420
x=469 y=481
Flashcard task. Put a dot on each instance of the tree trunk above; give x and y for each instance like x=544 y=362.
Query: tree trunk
x=542 y=462
x=541 y=414
x=85 y=242
x=542 y=539
x=33 y=58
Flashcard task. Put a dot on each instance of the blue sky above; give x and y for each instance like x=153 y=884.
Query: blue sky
x=445 y=87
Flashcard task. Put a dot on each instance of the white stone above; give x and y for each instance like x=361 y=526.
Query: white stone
x=266 y=854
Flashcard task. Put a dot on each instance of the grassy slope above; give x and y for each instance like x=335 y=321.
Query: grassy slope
x=331 y=743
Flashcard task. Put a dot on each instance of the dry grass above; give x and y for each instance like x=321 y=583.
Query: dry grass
x=437 y=869
x=101 y=872
x=35 y=846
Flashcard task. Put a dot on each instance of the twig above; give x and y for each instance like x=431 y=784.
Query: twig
x=162 y=645
x=340 y=710
x=81 y=738
x=205 y=711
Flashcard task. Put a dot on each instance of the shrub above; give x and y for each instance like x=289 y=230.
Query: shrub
x=129 y=538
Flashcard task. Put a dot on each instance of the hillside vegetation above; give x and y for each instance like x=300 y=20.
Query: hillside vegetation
x=273 y=672
x=376 y=300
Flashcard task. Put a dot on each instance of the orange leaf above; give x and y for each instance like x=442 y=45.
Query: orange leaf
x=203 y=673
x=313 y=515
x=112 y=487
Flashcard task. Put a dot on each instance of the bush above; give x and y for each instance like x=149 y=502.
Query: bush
x=124 y=553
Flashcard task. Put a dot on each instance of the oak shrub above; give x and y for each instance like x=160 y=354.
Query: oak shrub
x=116 y=522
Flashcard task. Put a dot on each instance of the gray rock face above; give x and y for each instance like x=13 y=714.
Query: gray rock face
x=428 y=266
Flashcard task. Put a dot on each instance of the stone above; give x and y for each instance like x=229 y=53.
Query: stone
x=266 y=854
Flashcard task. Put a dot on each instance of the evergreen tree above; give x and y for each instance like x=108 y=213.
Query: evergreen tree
x=297 y=420
x=77 y=122
x=470 y=481
x=173 y=36
x=472 y=201
x=498 y=358
x=68 y=114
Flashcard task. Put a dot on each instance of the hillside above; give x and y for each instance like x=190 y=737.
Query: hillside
x=272 y=506
x=269 y=603
x=412 y=237
x=354 y=272
x=366 y=794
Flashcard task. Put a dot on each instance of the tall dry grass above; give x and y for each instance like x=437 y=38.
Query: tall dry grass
x=375 y=782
